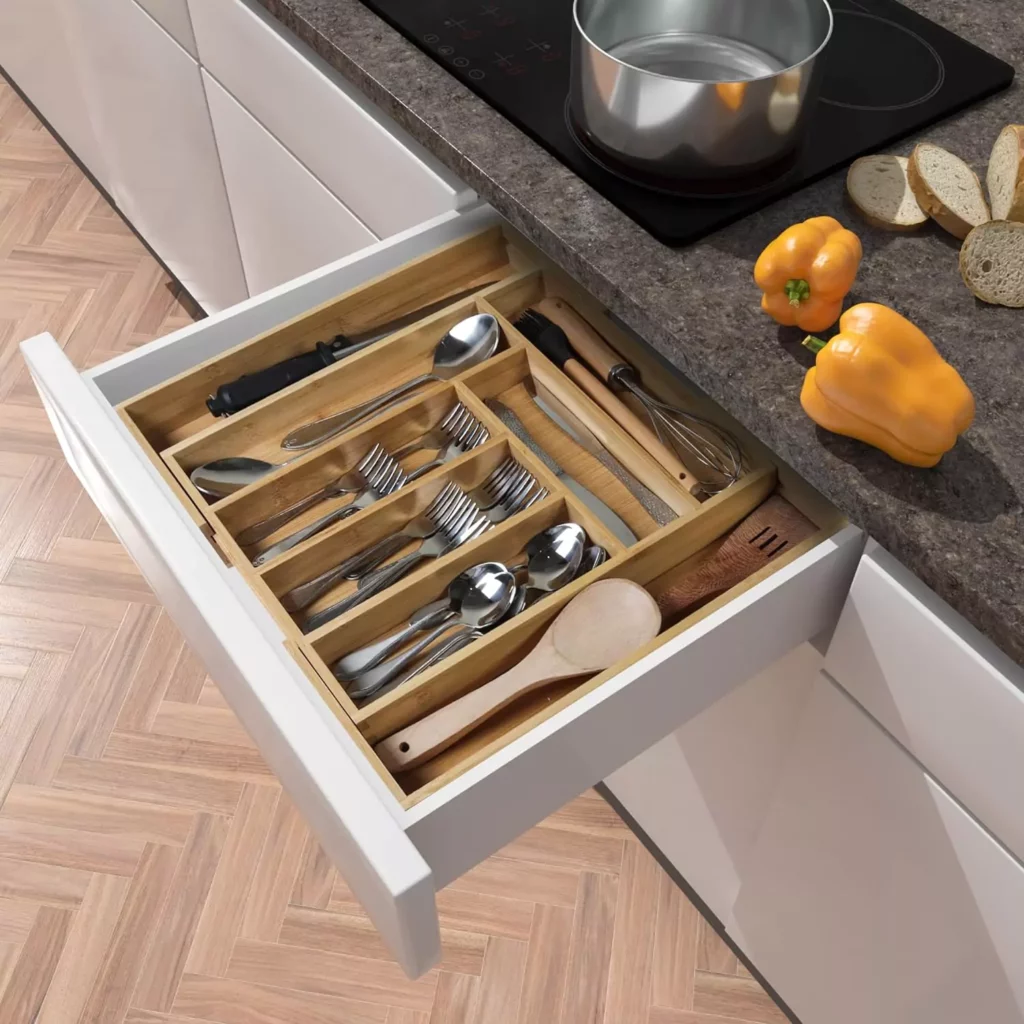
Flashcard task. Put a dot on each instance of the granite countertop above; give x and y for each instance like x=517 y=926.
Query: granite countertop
x=959 y=527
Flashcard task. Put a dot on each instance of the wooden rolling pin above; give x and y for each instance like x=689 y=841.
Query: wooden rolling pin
x=594 y=350
x=599 y=627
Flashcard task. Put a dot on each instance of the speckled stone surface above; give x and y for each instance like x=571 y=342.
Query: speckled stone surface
x=960 y=527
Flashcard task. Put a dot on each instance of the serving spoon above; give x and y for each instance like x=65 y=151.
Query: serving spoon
x=467 y=344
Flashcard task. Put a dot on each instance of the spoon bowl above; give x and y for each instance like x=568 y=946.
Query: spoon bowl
x=221 y=477
x=467 y=343
x=554 y=556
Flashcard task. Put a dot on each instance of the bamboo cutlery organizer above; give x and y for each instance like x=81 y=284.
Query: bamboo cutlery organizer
x=173 y=424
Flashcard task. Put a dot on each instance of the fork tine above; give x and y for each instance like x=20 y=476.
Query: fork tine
x=371 y=461
x=453 y=416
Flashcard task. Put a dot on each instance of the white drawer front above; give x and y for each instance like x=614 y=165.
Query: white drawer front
x=330 y=129
x=941 y=689
x=174 y=16
x=287 y=223
x=394 y=856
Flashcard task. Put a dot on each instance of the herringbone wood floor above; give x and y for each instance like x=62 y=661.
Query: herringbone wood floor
x=151 y=870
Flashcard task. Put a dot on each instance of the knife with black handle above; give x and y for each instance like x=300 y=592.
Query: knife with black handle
x=251 y=388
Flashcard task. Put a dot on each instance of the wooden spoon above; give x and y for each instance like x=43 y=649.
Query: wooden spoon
x=600 y=626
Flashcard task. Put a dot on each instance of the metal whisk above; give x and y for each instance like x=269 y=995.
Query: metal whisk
x=694 y=438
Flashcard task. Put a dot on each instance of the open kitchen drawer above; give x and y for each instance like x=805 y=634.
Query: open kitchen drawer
x=131 y=428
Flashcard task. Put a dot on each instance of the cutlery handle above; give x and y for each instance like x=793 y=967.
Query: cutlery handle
x=420 y=741
x=306 y=593
x=364 y=593
x=442 y=651
x=309 y=435
x=265 y=527
x=364 y=658
x=278 y=549
x=393 y=570
x=602 y=359
x=370 y=682
x=365 y=561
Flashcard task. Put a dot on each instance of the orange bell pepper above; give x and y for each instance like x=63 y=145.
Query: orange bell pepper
x=881 y=380
x=806 y=272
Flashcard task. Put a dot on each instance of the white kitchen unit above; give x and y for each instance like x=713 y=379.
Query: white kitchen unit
x=366 y=161
x=870 y=895
x=286 y=222
x=174 y=16
x=145 y=96
x=393 y=853
x=941 y=689
x=40 y=55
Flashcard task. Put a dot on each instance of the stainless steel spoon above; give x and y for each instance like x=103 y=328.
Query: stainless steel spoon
x=553 y=557
x=477 y=598
x=468 y=343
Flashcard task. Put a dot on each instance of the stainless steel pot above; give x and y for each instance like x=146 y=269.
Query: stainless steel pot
x=696 y=89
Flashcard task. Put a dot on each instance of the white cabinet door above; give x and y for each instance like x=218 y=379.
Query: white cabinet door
x=870 y=896
x=701 y=794
x=36 y=53
x=146 y=98
x=287 y=222
x=941 y=689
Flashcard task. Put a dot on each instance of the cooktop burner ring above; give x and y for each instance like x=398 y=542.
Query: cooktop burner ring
x=938 y=68
x=750 y=184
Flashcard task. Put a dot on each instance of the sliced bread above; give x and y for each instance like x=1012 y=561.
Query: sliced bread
x=1005 y=177
x=879 y=188
x=992 y=262
x=947 y=189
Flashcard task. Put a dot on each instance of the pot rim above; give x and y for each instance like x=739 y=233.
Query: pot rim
x=705 y=81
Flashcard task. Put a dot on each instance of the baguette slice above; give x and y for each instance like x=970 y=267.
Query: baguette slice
x=992 y=262
x=1005 y=177
x=947 y=189
x=879 y=188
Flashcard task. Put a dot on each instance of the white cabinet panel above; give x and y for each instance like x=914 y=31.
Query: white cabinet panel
x=870 y=895
x=372 y=167
x=152 y=125
x=36 y=52
x=701 y=793
x=286 y=221
x=174 y=16
x=939 y=687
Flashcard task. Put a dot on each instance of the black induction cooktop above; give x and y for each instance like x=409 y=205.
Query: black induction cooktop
x=888 y=72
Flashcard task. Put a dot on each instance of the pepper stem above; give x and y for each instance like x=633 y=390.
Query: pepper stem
x=813 y=343
x=797 y=290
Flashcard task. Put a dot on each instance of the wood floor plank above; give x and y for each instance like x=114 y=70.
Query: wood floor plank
x=16 y=920
x=461 y=952
x=547 y=962
x=630 y=966
x=488 y=915
x=221 y=920
x=590 y=814
x=211 y=760
x=27 y=985
x=713 y=955
x=42 y=883
x=57 y=608
x=226 y=1001
x=590 y=949
x=172 y=939
x=31 y=841
x=455 y=999
x=85 y=950
x=315 y=879
x=100 y=715
x=146 y=896
x=396 y=1015
x=734 y=997
x=675 y=948
x=152 y=677
x=53 y=733
x=275 y=873
x=9 y=955
x=501 y=982
x=314 y=970
x=187 y=679
x=149 y=784
x=544 y=845
x=196 y=722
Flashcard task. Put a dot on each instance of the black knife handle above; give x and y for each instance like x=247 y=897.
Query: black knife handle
x=252 y=387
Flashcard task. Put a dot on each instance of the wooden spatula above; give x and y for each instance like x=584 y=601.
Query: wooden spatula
x=773 y=527
x=598 y=627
